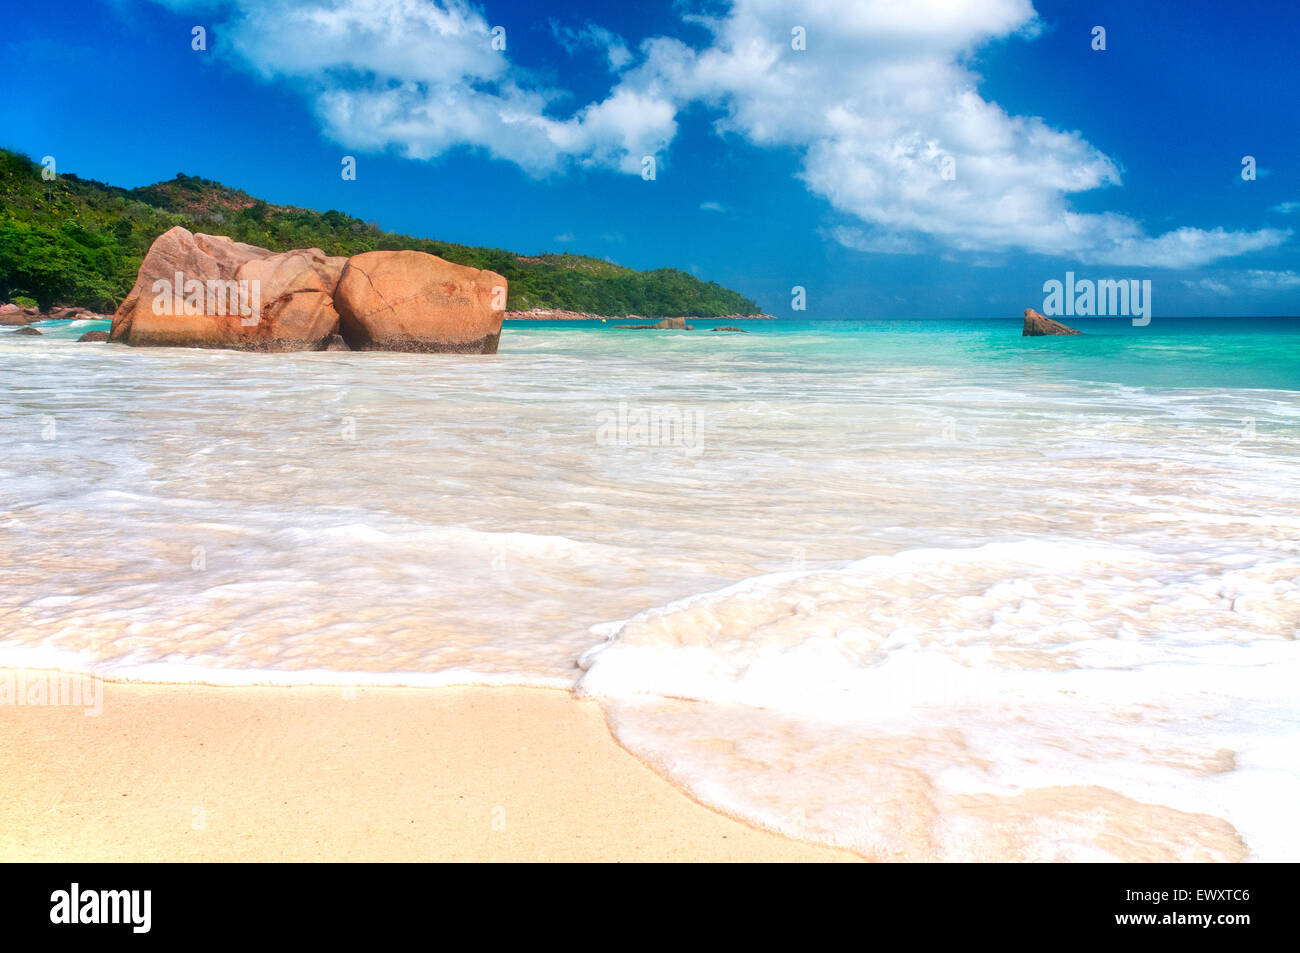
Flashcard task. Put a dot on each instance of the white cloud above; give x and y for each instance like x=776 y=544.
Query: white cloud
x=1209 y=286
x=1248 y=281
x=407 y=40
x=712 y=207
x=876 y=242
x=423 y=78
x=1272 y=280
x=1185 y=247
x=882 y=107
x=592 y=36
x=881 y=104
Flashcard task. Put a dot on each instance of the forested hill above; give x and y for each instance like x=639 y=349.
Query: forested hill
x=79 y=242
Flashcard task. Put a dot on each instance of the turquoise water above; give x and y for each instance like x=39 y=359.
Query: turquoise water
x=1170 y=352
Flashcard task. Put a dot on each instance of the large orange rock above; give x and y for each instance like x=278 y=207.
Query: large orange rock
x=1037 y=325
x=176 y=250
x=230 y=295
x=412 y=301
x=196 y=290
x=297 y=289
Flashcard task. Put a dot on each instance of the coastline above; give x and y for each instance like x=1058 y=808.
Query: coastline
x=544 y=314
x=201 y=773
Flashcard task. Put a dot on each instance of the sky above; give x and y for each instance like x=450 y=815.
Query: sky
x=893 y=158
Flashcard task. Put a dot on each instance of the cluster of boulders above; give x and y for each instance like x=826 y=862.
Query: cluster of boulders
x=196 y=290
x=16 y=316
x=13 y=314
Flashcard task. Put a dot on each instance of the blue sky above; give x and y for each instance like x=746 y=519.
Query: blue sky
x=822 y=167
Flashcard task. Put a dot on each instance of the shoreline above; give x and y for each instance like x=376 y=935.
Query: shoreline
x=543 y=314
x=190 y=772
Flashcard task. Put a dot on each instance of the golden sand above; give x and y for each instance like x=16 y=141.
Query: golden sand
x=191 y=772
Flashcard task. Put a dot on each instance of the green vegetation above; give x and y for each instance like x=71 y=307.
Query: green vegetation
x=79 y=242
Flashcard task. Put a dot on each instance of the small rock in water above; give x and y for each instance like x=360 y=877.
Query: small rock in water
x=94 y=336
x=1037 y=325
x=667 y=324
x=26 y=331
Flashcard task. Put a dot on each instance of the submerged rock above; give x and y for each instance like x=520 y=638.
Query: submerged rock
x=94 y=336
x=667 y=324
x=28 y=331
x=733 y=330
x=1037 y=325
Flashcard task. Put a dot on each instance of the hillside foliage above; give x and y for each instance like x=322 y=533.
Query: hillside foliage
x=75 y=241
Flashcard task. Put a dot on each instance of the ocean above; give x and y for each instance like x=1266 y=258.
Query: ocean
x=924 y=589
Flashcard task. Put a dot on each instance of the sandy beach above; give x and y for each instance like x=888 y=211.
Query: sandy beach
x=945 y=510
x=191 y=772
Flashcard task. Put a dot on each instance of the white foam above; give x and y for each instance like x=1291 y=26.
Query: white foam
x=412 y=519
x=992 y=672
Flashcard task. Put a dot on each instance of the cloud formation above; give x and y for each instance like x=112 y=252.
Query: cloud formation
x=593 y=36
x=1248 y=281
x=425 y=78
x=879 y=103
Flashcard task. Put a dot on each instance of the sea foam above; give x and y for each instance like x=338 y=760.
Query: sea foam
x=926 y=589
x=911 y=706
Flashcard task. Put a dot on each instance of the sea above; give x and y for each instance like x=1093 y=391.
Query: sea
x=923 y=589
